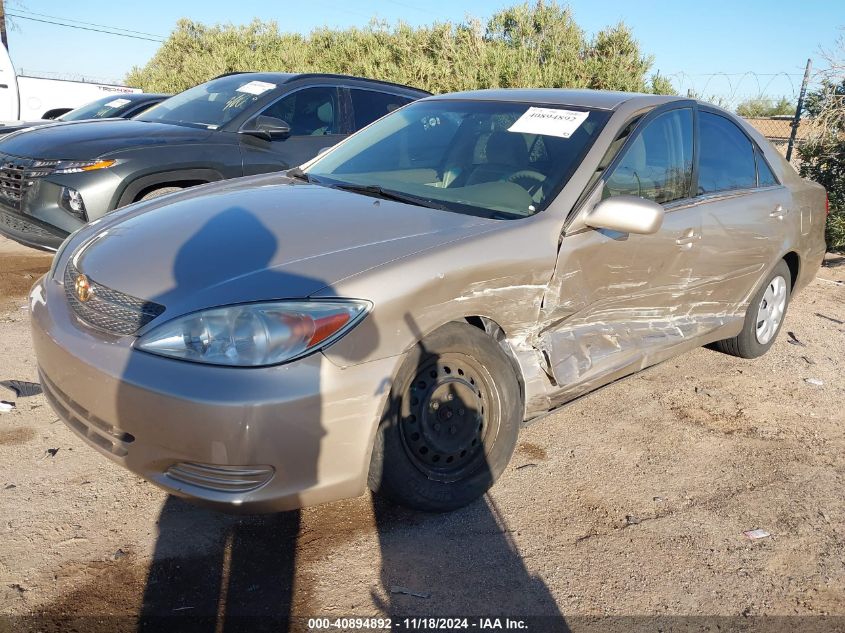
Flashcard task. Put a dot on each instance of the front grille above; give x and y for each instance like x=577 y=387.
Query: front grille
x=89 y=426
x=17 y=175
x=108 y=309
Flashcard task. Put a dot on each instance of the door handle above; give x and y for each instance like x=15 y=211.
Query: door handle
x=688 y=238
x=779 y=212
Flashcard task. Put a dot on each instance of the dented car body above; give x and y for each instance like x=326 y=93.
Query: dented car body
x=586 y=235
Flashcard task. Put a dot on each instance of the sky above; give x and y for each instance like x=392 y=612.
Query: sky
x=730 y=49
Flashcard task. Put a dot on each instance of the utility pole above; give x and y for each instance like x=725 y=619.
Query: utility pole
x=800 y=106
x=3 y=25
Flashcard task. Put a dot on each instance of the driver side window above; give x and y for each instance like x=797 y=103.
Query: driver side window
x=657 y=164
x=309 y=112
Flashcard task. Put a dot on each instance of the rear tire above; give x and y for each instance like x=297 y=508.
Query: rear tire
x=451 y=422
x=764 y=317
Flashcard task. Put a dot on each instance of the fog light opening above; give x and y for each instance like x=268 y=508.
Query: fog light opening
x=72 y=201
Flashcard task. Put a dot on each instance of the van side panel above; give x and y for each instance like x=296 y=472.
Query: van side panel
x=9 y=101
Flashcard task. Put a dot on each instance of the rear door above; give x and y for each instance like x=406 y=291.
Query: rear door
x=316 y=116
x=618 y=300
x=369 y=105
x=746 y=213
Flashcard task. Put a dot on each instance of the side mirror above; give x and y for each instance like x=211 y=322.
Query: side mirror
x=267 y=127
x=626 y=214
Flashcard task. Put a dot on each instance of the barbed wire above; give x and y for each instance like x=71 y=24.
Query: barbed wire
x=731 y=89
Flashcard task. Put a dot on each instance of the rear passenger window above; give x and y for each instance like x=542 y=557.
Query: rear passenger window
x=765 y=177
x=657 y=163
x=370 y=105
x=727 y=156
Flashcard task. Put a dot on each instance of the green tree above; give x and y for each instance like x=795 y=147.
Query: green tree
x=823 y=153
x=764 y=107
x=524 y=45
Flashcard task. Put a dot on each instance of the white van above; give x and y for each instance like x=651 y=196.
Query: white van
x=30 y=98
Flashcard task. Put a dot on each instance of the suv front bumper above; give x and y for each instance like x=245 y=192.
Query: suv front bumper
x=29 y=232
x=39 y=220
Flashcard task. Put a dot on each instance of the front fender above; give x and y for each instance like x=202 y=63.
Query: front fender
x=131 y=188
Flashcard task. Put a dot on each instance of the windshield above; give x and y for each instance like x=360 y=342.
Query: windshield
x=104 y=108
x=500 y=159
x=210 y=105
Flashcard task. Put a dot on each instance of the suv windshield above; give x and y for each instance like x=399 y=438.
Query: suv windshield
x=501 y=159
x=212 y=104
x=100 y=109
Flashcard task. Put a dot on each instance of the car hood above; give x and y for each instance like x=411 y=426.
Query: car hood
x=86 y=140
x=255 y=239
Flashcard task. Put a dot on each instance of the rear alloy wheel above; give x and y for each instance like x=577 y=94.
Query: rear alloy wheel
x=770 y=310
x=764 y=317
x=451 y=422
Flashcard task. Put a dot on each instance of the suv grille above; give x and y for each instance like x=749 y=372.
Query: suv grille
x=108 y=309
x=17 y=175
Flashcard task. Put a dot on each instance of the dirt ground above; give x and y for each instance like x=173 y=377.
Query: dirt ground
x=629 y=502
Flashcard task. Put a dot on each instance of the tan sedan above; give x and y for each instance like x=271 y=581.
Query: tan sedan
x=392 y=312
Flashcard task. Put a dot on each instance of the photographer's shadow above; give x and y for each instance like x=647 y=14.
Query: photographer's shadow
x=211 y=571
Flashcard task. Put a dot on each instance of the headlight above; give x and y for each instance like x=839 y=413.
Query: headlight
x=76 y=166
x=255 y=334
x=71 y=200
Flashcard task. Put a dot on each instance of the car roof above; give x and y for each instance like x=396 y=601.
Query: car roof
x=286 y=77
x=599 y=99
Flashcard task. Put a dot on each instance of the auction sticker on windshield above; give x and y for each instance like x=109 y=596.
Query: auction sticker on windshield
x=549 y=121
x=256 y=87
x=117 y=103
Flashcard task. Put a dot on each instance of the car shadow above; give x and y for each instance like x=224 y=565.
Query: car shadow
x=216 y=572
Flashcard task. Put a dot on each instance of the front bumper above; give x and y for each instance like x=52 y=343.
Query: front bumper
x=29 y=232
x=302 y=432
x=38 y=219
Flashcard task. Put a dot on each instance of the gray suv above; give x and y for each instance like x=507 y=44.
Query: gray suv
x=55 y=179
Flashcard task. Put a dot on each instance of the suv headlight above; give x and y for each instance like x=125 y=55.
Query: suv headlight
x=76 y=166
x=254 y=334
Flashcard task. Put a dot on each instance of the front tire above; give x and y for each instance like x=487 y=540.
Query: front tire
x=451 y=422
x=764 y=317
x=157 y=193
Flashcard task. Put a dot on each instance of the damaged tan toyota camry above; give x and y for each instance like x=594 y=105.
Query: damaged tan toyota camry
x=391 y=313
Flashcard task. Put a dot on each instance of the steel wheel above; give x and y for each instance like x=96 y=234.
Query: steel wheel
x=449 y=414
x=450 y=422
x=771 y=309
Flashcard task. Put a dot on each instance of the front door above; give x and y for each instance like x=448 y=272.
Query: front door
x=315 y=117
x=618 y=300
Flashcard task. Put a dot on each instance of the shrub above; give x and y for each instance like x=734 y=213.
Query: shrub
x=823 y=154
x=525 y=45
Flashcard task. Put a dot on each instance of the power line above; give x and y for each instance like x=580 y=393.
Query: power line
x=84 y=28
x=103 y=26
x=408 y=6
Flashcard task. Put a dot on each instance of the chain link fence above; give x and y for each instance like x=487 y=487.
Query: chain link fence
x=777 y=130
